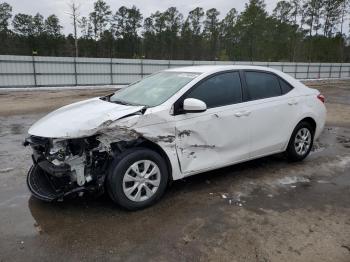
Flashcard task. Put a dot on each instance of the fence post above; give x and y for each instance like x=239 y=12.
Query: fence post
x=34 y=71
x=168 y=63
x=295 y=70
x=330 y=71
x=341 y=67
x=75 y=71
x=111 y=70
x=308 y=71
x=282 y=67
x=141 y=65
x=319 y=71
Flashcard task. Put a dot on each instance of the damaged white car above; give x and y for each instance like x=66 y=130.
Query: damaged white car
x=172 y=124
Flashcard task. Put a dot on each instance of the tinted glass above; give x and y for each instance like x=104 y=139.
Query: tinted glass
x=285 y=86
x=262 y=85
x=153 y=90
x=219 y=90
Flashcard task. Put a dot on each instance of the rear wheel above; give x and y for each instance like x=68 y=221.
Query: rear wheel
x=137 y=178
x=301 y=142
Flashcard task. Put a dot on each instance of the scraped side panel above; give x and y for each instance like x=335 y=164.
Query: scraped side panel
x=198 y=141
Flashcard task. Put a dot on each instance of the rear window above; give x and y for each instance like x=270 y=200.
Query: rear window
x=285 y=86
x=262 y=85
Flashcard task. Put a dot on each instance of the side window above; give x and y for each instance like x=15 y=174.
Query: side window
x=220 y=90
x=285 y=86
x=262 y=85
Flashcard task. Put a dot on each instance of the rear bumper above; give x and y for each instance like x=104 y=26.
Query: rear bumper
x=320 y=121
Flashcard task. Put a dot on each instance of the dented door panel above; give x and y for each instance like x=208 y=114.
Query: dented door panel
x=212 y=139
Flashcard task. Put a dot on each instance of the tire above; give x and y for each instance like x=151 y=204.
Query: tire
x=135 y=190
x=296 y=152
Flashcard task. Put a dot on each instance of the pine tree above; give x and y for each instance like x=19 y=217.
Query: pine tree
x=211 y=31
x=5 y=16
x=332 y=10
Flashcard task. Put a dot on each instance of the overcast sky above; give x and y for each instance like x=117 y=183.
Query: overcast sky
x=61 y=7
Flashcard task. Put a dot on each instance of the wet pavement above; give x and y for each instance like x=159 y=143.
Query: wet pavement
x=262 y=210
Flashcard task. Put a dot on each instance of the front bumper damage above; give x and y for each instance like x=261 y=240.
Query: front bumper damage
x=63 y=168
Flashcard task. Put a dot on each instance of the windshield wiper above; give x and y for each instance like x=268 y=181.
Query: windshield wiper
x=122 y=102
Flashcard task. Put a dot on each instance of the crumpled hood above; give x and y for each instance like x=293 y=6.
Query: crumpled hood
x=80 y=119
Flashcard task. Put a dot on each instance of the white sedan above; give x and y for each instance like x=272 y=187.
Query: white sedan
x=170 y=125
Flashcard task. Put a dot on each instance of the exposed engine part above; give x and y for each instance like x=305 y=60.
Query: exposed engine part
x=58 y=150
x=64 y=167
x=77 y=165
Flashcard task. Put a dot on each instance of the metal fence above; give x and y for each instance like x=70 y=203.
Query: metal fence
x=36 y=71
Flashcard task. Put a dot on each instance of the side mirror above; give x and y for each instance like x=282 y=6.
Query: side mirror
x=192 y=105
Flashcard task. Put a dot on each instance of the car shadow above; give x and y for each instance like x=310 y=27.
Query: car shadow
x=50 y=215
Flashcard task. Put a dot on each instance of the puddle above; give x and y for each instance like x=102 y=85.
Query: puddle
x=315 y=194
x=17 y=129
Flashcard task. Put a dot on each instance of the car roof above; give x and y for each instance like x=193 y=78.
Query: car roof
x=211 y=69
x=217 y=68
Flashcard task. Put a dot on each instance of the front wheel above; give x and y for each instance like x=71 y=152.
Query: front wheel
x=301 y=142
x=137 y=178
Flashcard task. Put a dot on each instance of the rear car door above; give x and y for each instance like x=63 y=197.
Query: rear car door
x=220 y=135
x=273 y=109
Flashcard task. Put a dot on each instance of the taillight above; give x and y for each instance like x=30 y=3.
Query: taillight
x=321 y=98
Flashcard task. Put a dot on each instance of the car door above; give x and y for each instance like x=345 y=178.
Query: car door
x=273 y=110
x=220 y=135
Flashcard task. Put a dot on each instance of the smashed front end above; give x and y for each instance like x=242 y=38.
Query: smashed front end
x=63 y=167
x=74 y=146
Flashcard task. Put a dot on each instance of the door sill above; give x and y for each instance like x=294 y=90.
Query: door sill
x=191 y=173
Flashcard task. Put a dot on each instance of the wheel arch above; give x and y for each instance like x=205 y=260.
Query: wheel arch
x=290 y=150
x=157 y=148
x=309 y=120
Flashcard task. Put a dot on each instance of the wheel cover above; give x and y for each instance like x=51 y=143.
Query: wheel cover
x=141 y=180
x=302 y=141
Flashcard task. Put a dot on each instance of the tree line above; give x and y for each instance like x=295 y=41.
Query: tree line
x=297 y=30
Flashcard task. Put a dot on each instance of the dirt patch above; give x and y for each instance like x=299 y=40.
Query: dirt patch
x=30 y=102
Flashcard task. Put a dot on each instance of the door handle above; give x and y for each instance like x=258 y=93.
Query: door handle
x=242 y=113
x=293 y=102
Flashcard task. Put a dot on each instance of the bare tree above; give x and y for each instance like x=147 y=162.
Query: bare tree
x=344 y=13
x=74 y=14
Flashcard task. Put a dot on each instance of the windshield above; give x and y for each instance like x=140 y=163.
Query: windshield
x=153 y=90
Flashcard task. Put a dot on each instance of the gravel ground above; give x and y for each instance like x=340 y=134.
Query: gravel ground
x=262 y=210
